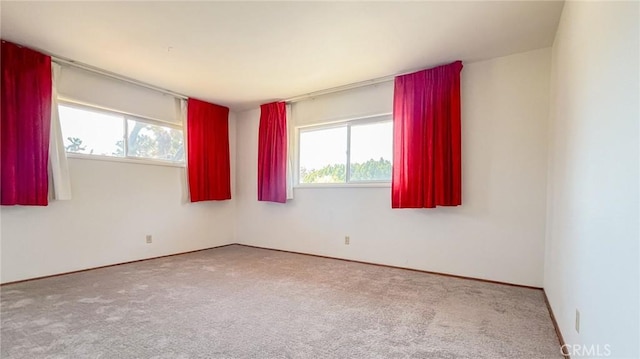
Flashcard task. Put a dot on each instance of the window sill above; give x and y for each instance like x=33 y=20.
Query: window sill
x=343 y=185
x=137 y=161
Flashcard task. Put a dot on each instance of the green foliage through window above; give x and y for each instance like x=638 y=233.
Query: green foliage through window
x=371 y=170
x=152 y=141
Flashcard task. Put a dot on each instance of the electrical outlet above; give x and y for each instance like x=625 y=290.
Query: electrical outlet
x=149 y=238
x=346 y=240
x=577 y=321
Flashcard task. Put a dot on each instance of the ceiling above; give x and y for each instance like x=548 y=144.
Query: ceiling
x=241 y=54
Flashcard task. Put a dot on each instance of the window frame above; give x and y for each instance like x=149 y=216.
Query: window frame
x=348 y=123
x=125 y=130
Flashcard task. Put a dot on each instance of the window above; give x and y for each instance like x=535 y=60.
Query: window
x=357 y=151
x=91 y=131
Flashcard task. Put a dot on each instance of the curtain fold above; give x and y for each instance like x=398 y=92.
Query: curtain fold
x=60 y=186
x=181 y=115
x=25 y=126
x=290 y=145
x=272 y=153
x=208 y=163
x=427 y=139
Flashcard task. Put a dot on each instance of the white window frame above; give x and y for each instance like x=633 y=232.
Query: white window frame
x=348 y=123
x=125 y=123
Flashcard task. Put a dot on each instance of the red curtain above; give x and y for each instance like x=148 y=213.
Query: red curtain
x=25 y=126
x=272 y=153
x=208 y=151
x=426 y=139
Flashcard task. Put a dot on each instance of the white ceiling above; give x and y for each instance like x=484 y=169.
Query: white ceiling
x=241 y=54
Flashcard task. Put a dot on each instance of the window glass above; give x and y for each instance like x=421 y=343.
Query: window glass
x=147 y=140
x=323 y=155
x=91 y=132
x=371 y=151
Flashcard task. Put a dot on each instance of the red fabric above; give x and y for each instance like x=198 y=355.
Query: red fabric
x=208 y=151
x=272 y=153
x=25 y=126
x=426 y=139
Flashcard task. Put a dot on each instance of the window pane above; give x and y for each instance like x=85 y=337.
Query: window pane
x=323 y=155
x=154 y=141
x=91 y=132
x=371 y=151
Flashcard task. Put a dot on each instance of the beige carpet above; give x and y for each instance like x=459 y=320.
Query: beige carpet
x=241 y=302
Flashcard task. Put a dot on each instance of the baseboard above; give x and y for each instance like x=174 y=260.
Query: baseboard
x=397 y=267
x=112 y=265
x=555 y=326
x=286 y=251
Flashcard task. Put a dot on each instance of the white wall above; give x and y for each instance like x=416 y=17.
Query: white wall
x=114 y=206
x=497 y=234
x=592 y=260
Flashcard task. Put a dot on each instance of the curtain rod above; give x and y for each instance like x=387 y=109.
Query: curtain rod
x=351 y=86
x=331 y=90
x=341 y=88
x=96 y=70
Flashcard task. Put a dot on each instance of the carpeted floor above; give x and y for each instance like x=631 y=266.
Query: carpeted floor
x=241 y=302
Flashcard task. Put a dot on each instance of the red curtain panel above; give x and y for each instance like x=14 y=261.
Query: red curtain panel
x=25 y=126
x=208 y=151
x=426 y=139
x=272 y=153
